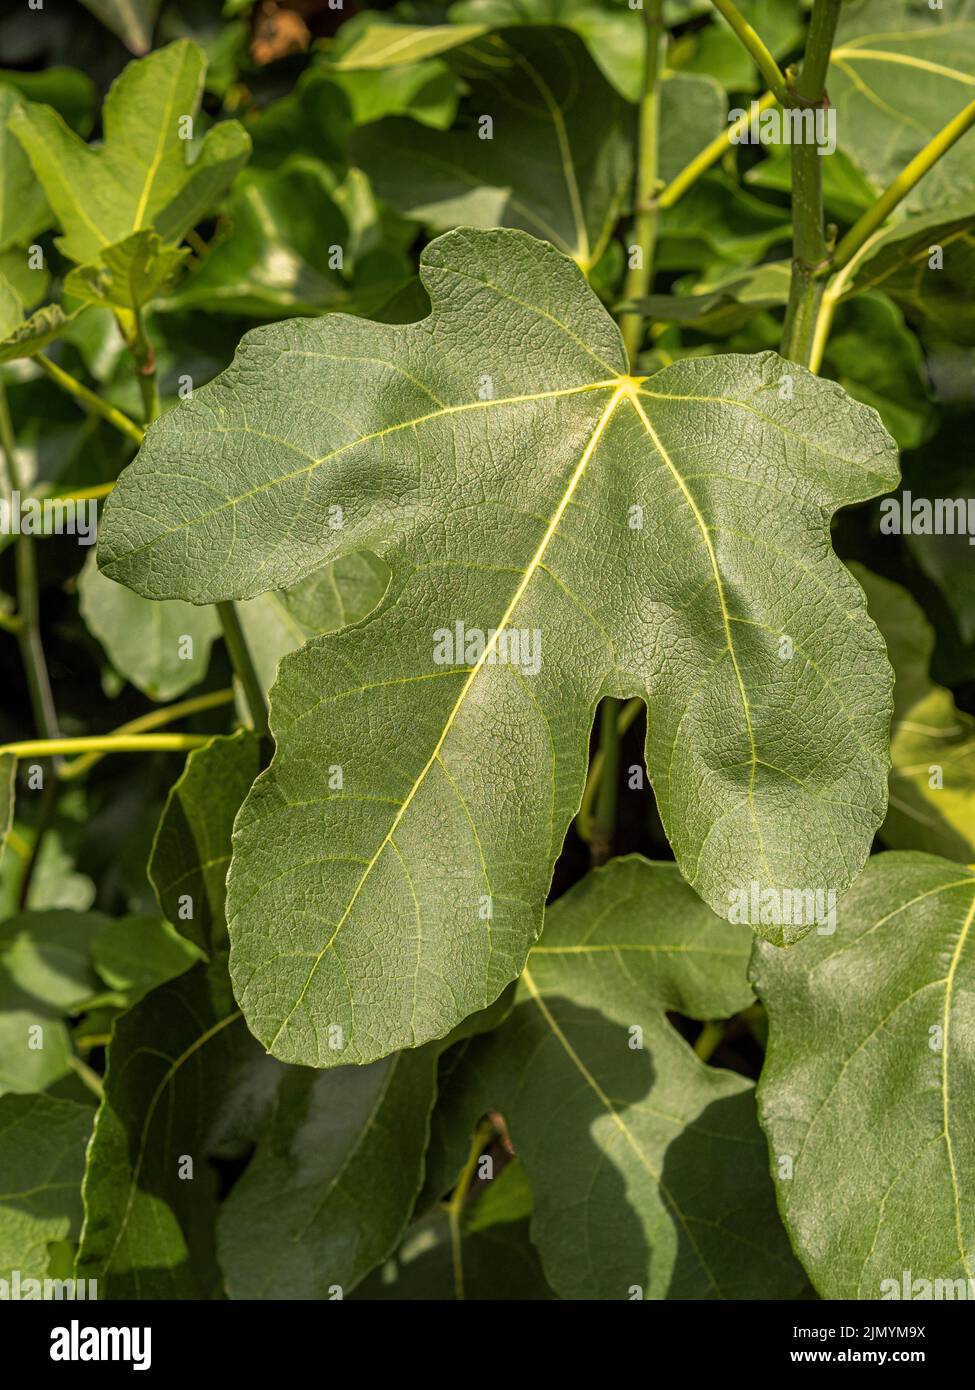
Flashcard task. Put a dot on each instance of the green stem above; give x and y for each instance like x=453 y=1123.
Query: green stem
x=240 y=657
x=155 y=719
x=710 y=1036
x=905 y=181
x=88 y=398
x=627 y=715
x=767 y=66
x=106 y=743
x=28 y=599
x=144 y=355
x=640 y=274
x=810 y=248
x=458 y=1199
x=711 y=153
x=604 y=813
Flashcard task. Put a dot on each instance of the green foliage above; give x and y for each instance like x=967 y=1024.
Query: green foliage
x=487 y=442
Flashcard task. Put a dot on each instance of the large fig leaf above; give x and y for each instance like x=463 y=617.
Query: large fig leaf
x=866 y=1094
x=655 y=537
x=142 y=176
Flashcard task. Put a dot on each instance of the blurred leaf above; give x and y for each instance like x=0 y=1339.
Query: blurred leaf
x=558 y=160
x=720 y=54
x=339 y=1143
x=72 y=93
x=142 y=175
x=280 y=622
x=42 y=1160
x=130 y=20
x=846 y=193
x=382 y=44
x=48 y=955
x=936 y=296
x=23 y=208
x=162 y=648
x=613 y=34
x=724 y=305
x=288 y=251
x=899 y=71
x=20 y=337
x=138 y=953
x=878 y=360
x=929 y=733
x=717 y=223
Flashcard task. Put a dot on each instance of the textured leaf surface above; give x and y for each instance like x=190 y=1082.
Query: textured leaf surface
x=191 y=850
x=884 y=49
x=647 y=1166
x=147 y=642
x=42 y=1159
x=869 y=1078
x=930 y=734
x=173 y=1061
x=141 y=176
x=513 y=512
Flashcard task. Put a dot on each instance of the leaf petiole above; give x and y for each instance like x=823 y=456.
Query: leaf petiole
x=752 y=41
x=88 y=398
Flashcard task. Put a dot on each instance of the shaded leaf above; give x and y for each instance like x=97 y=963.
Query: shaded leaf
x=20 y=337
x=173 y=1060
x=191 y=851
x=23 y=208
x=48 y=955
x=930 y=735
x=42 y=1159
x=136 y=954
x=8 y=794
x=489 y=1257
x=647 y=1167
x=289 y=251
x=868 y=1080
x=936 y=296
x=338 y=1144
x=557 y=160
x=336 y=596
